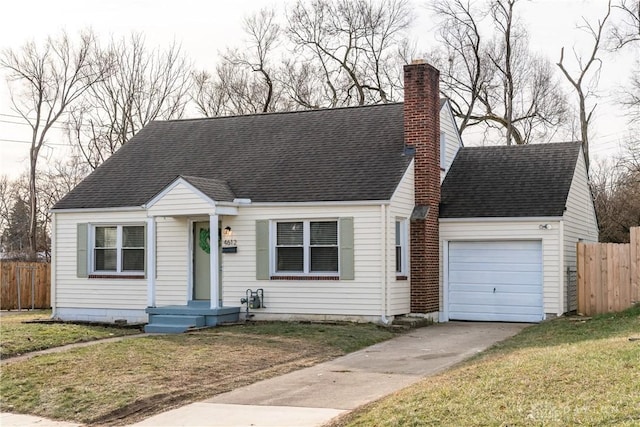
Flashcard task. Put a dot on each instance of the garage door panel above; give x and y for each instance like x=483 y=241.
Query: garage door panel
x=494 y=277
x=492 y=317
x=498 y=266
x=495 y=281
x=498 y=310
x=499 y=289
x=508 y=252
x=506 y=301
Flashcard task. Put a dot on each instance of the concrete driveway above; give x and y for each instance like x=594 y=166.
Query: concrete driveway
x=315 y=395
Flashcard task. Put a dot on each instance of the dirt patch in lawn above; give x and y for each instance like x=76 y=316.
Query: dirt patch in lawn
x=25 y=332
x=119 y=383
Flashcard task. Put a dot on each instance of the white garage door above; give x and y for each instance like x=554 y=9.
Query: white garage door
x=495 y=281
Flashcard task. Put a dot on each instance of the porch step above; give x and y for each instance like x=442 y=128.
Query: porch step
x=173 y=323
x=177 y=320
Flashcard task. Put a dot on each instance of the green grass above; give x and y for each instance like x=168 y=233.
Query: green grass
x=17 y=337
x=346 y=337
x=559 y=373
x=121 y=382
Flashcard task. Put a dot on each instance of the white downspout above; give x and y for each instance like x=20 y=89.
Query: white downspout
x=383 y=265
x=564 y=283
x=151 y=261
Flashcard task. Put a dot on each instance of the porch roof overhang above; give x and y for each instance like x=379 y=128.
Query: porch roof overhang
x=193 y=196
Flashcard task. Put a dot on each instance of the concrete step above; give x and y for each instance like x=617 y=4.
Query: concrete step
x=409 y=322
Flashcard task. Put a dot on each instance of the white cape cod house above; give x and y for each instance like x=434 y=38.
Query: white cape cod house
x=330 y=214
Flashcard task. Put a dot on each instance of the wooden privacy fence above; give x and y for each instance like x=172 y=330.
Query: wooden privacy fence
x=608 y=275
x=30 y=280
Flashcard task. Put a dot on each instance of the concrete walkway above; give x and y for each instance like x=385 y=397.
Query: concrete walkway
x=313 y=396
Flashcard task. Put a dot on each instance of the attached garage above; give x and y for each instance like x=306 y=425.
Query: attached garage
x=495 y=281
x=510 y=218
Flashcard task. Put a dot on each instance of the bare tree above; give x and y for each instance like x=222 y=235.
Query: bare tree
x=583 y=81
x=209 y=96
x=460 y=60
x=264 y=36
x=5 y=203
x=632 y=96
x=495 y=82
x=60 y=177
x=351 y=46
x=628 y=30
x=615 y=186
x=626 y=34
x=247 y=79
x=144 y=86
x=44 y=83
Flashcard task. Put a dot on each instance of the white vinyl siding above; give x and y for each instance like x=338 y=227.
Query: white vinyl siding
x=75 y=292
x=402 y=203
x=579 y=223
x=181 y=200
x=357 y=297
x=502 y=230
x=452 y=141
x=172 y=260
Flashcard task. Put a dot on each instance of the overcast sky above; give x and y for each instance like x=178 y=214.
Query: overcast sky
x=206 y=27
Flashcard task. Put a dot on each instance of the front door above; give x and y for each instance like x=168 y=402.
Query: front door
x=201 y=260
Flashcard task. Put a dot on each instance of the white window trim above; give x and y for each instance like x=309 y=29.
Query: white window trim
x=404 y=252
x=306 y=245
x=92 y=248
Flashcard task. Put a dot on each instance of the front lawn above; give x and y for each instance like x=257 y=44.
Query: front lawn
x=568 y=371
x=17 y=337
x=121 y=382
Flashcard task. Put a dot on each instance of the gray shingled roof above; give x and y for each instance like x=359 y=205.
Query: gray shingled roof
x=322 y=155
x=515 y=181
x=215 y=189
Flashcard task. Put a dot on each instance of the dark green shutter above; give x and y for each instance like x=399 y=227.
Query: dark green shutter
x=82 y=259
x=346 y=249
x=262 y=250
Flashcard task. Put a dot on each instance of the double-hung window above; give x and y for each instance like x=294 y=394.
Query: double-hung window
x=118 y=249
x=306 y=247
x=401 y=247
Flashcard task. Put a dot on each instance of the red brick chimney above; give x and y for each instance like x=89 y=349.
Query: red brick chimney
x=422 y=132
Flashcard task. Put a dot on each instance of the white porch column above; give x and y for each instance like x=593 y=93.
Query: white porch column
x=151 y=261
x=214 y=261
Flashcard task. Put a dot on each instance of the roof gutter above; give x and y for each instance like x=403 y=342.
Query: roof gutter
x=109 y=209
x=503 y=219
x=325 y=203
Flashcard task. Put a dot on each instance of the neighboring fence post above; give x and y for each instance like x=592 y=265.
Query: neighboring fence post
x=582 y=292
x=634 y=264
x=18 y=287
